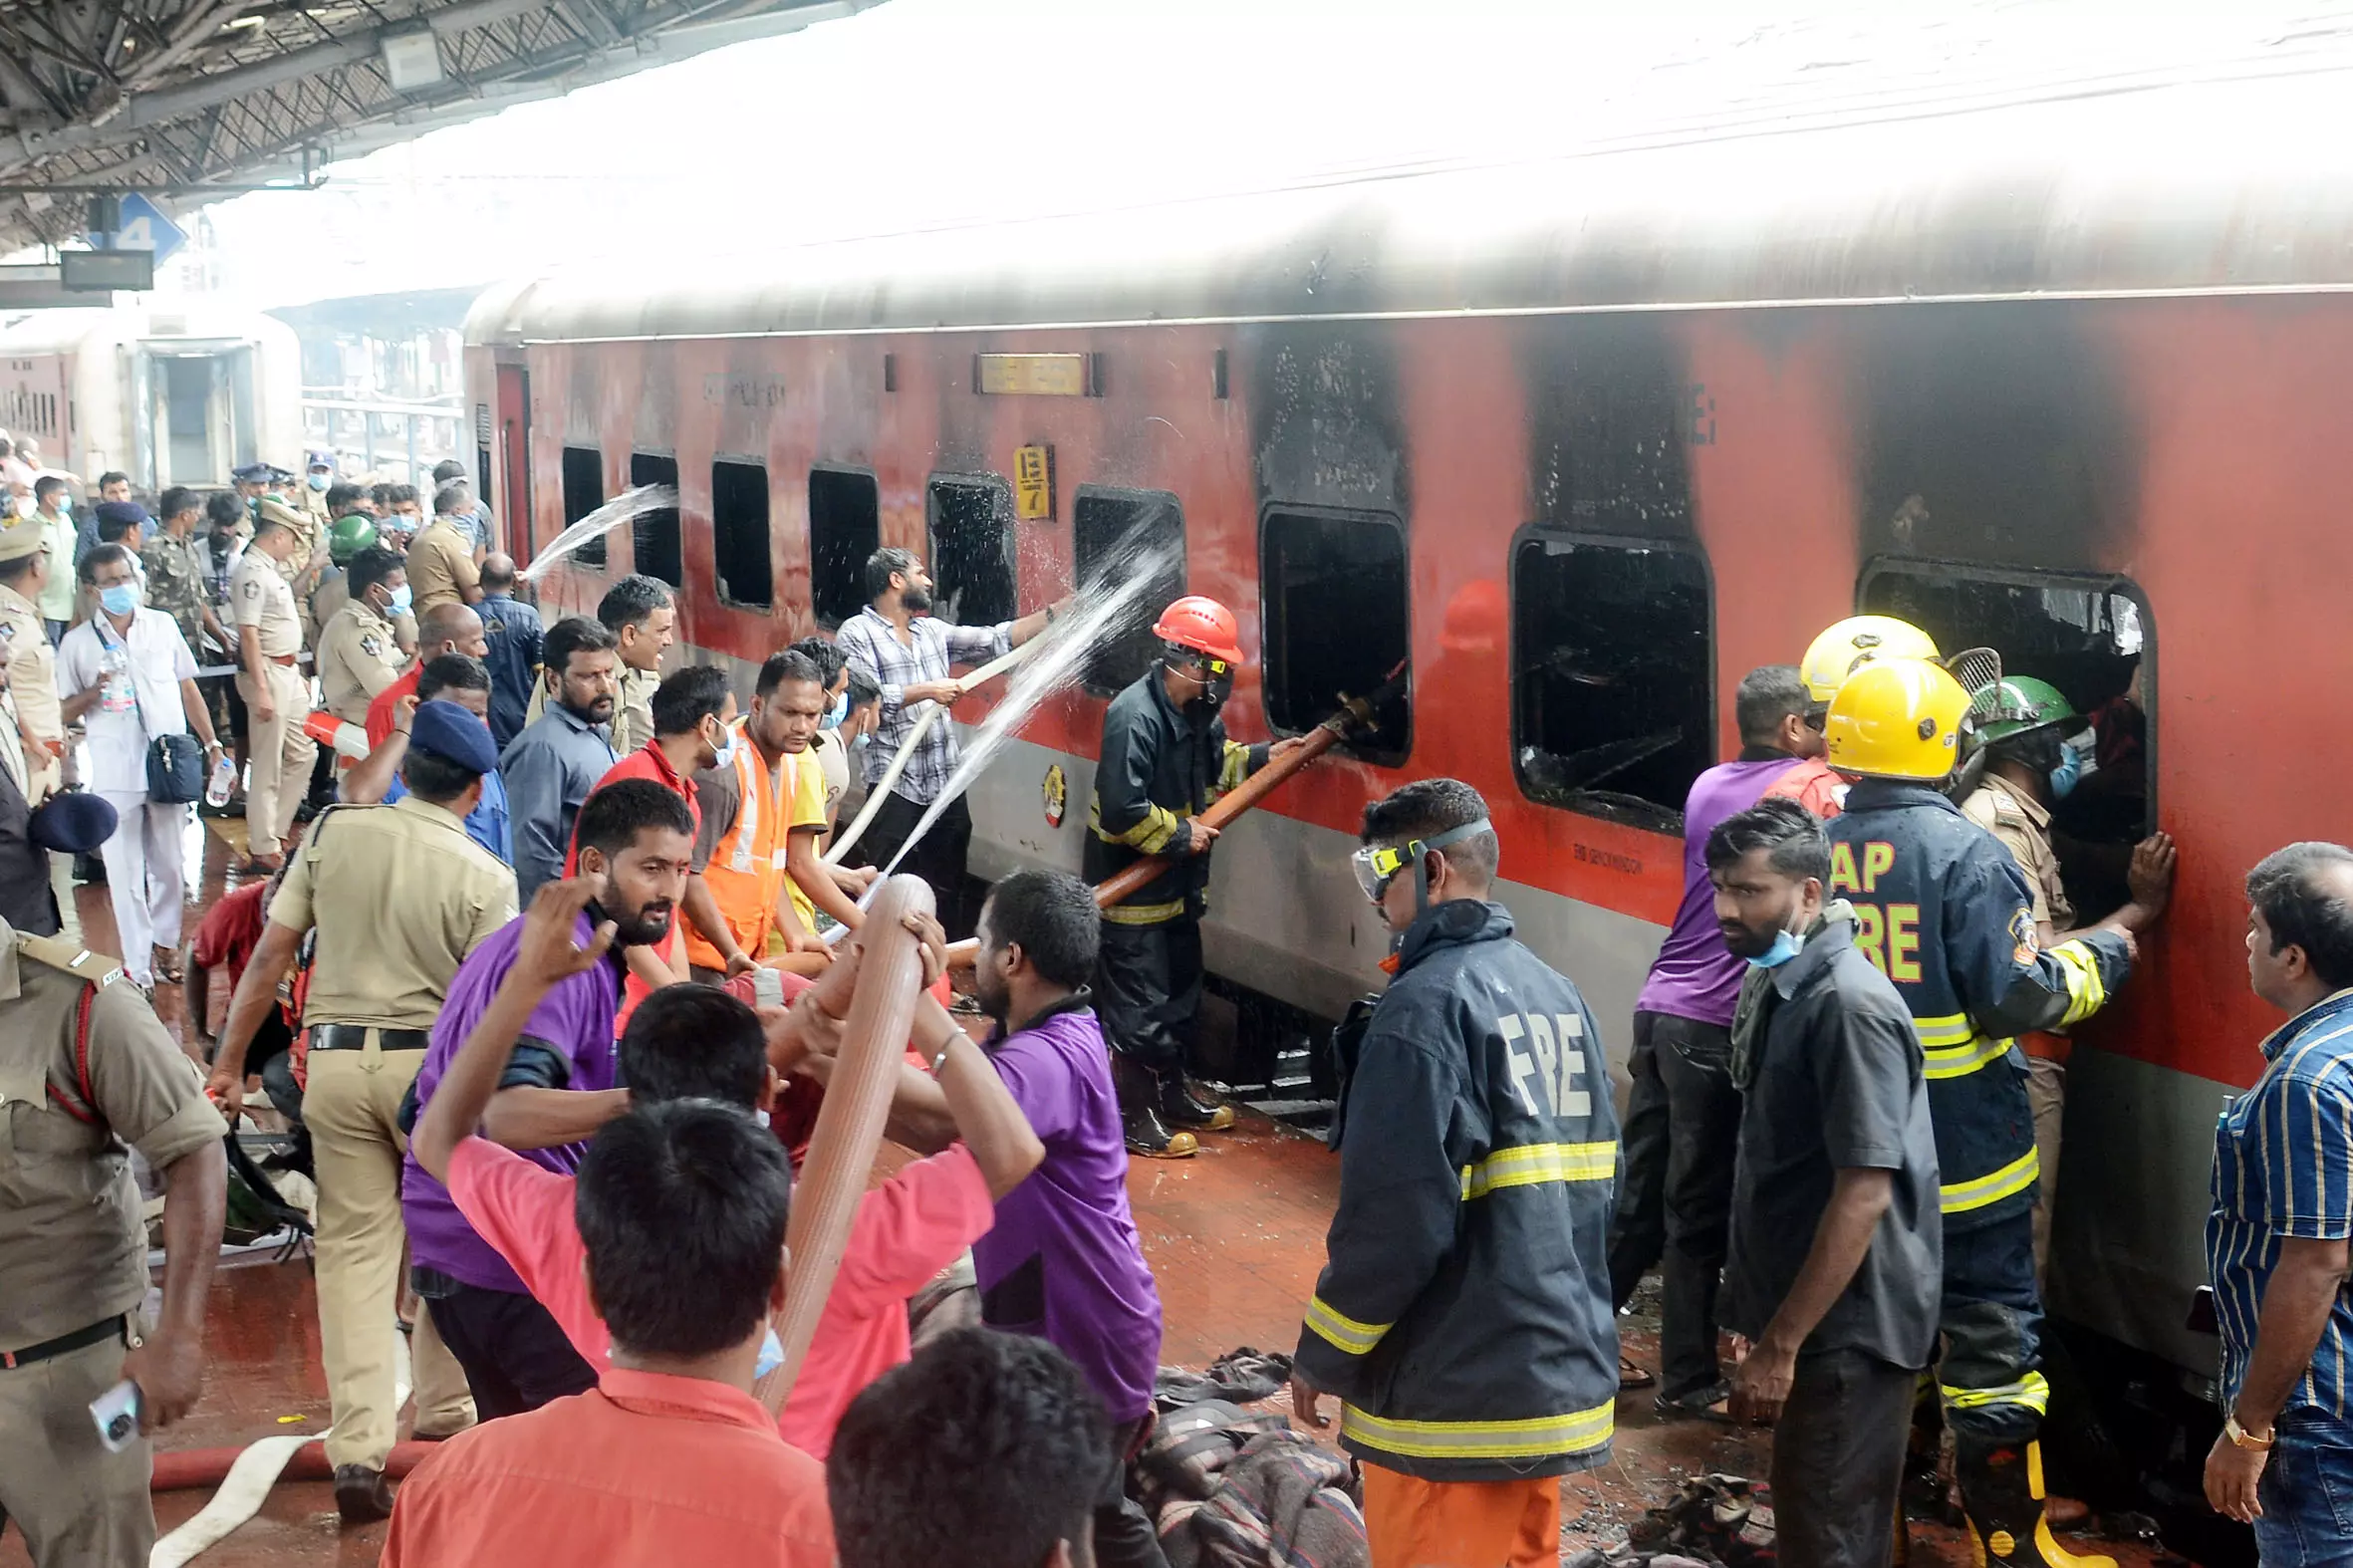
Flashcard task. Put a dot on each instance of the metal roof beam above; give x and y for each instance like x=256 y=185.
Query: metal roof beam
x=146 y=110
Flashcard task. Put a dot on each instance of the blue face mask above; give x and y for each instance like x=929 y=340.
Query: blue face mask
x=119 y=600
x=400 y=601
x=834 y=714
x=1784 y=948
x=65 y=505
x=771 y=1355
x=2063 y=776
x=318 y=481
x=726 y=756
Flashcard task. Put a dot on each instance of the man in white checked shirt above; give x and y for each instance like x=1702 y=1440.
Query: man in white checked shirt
x=896 y=642
x=2276 y=1241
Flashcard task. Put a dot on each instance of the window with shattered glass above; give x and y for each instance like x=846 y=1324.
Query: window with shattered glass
x=1337 y=624
x=1612 y=675
x=2092 y=638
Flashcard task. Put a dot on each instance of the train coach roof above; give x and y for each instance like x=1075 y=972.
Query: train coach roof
x=2234 y=178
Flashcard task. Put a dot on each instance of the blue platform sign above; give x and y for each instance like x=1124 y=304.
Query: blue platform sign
x=145 y=227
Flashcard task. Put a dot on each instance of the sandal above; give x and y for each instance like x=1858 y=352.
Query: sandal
x=1712 y=1403
x=254 y=866
x=1631 y=1376
x=168 y=966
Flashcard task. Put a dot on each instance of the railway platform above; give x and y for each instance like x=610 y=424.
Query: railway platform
x=1234 y=1237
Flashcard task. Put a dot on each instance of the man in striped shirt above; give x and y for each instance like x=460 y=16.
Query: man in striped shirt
x=2276 y=1241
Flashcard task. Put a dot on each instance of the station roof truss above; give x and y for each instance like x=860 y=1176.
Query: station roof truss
x=184 y=101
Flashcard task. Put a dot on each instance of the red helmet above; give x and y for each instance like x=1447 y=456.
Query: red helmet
x=1203 y=625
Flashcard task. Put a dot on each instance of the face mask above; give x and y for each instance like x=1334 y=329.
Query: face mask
x=1784 y=948
x=398 y=603
x=726 y=757
x=119 y=600
x=2063 y=776
x=771 y=1355
x=64 y=506
x=834 y=714
x=318 y=481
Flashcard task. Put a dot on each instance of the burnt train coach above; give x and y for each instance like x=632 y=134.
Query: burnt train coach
x=1583 y=440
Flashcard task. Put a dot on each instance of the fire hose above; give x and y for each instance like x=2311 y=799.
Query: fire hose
x=1354 y=713
x=881 y=1008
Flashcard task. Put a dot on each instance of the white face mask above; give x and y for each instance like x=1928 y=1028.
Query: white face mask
x=726 y=750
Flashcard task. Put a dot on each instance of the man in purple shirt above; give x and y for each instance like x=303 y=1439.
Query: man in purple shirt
x=557 y=1091
x=1063 y=1260
x=1682 y=1122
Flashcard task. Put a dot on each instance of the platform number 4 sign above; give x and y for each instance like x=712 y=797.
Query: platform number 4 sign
x=142 y=226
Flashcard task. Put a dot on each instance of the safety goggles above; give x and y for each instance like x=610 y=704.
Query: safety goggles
x=1377 y=866
x=1207 y=666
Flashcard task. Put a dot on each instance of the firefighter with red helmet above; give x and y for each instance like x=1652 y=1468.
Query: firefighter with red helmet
x=1164 y=758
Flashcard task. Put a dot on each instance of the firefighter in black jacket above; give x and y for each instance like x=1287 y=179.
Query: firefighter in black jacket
x=1944 y=910
x=1464 y=1314
x=1164 y=758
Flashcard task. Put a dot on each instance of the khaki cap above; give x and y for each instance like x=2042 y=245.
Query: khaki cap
x=19 y=538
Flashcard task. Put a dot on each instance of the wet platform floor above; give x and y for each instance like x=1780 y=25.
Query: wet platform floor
x=1234 y=1237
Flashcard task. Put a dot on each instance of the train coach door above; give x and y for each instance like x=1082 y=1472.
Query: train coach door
x=514 y=456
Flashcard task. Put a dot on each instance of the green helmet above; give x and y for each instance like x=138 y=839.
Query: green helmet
x=350 y=536
x=2016 y=704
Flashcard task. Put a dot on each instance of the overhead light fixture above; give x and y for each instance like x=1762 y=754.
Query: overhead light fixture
x=411 y=59
x=246 y=21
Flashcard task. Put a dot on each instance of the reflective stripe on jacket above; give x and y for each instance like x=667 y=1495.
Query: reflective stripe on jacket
x=1463 y=1313
x=1157 y=769
x=746 y=869
x=1942 y=909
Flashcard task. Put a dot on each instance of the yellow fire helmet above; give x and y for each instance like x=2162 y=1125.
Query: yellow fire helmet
x=1854 y=643
x=1897 y=718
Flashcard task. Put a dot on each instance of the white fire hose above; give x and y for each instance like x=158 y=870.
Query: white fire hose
x=931 y=714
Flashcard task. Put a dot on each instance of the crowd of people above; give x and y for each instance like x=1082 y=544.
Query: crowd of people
x=543 y=952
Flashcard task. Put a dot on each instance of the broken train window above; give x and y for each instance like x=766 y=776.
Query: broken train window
x=1336 y=624
x=2093 y=639
x=1613 y=669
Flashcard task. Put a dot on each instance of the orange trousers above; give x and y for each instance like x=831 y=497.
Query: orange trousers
x=1412 y=1523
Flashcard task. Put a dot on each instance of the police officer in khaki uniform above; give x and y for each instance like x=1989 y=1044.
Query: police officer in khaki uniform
x=398 y=895
x=25 y=649
x=76 y=1098
x=357 y=656
x=270 y=679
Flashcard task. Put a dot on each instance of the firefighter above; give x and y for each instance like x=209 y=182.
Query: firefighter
x=1944 y=910
x=1838 y=652
x=2023 y=729
x=1164 y=758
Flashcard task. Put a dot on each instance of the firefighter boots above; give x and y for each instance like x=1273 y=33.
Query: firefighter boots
x=1140 y=1114
x=2002 y=1492
x=1182 y=1107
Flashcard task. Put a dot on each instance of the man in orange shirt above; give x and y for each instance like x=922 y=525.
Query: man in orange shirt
x=670 y=1459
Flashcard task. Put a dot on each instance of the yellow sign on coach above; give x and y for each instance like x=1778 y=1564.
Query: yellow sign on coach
x=1033 y=483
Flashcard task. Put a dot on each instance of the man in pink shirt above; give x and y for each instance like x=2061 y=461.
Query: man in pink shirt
x=670 y=1459
x=694 y=1042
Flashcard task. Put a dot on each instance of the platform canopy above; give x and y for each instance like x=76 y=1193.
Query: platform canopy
x=186 y=100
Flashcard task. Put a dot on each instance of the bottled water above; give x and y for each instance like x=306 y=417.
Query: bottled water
x=224 y=779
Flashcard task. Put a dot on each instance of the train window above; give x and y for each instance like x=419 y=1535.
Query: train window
x=739 y=534
x=972 y=550
x=583 y=492
x=845 y=527
x=1115 y=535
x=1610 y=659
x=655 y=534
x=2094 y=639
x=1335 y=622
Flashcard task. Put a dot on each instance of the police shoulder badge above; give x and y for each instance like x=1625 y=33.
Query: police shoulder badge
x=369 y=645
x=1057 y=795
x=2022 y=933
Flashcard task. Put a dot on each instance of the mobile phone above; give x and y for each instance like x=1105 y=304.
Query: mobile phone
x=117 y=1414
x=2201 y=1319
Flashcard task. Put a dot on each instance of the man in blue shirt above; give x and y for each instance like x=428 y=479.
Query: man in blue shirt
x=516 y=635
x=453 y=677
x=2277 y=1240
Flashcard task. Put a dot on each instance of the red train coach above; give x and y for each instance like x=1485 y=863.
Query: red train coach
x=1586 y=439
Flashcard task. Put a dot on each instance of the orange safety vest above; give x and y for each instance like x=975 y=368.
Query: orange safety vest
x=746 y=869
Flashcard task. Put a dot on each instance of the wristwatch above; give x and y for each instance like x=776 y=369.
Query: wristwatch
x=2241 y=1437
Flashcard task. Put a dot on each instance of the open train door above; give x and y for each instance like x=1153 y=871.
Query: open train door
x=514 y=456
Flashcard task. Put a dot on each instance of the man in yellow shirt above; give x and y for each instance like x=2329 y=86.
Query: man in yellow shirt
x=441 y=569
x=755 y=864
